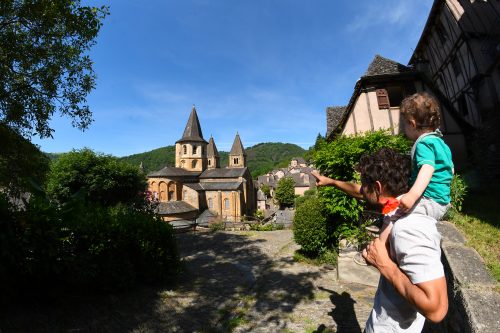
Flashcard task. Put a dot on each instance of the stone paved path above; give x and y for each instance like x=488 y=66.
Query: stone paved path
x=234 y=281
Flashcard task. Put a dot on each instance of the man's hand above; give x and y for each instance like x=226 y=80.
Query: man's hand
x=320 y=179
x=377 y=255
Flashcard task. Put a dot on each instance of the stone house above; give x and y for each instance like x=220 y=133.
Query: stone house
x=375 y=104
x=297 y=170
x=198 y=183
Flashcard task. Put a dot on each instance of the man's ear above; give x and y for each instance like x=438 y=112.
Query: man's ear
x=378 y=187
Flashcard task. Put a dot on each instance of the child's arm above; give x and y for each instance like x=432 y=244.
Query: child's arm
x=424 y=176
x=352 y=189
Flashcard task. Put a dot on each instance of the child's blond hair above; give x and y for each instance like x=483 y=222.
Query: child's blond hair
x=423 y=108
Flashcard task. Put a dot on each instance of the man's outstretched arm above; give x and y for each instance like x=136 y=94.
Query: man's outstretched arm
x=430 y=297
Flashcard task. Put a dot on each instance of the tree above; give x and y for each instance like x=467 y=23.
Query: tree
x=285 y=192
x=266 y=190
x=104 y=178
x=44 y=66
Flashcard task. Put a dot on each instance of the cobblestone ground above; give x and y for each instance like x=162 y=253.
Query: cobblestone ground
x=234 y=281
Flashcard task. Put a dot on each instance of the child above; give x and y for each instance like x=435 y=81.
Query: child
x=431 y=166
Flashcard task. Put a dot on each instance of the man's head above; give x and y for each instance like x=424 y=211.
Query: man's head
x=384 y=174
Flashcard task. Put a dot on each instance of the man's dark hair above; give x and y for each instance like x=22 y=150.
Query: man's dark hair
x=387 y=166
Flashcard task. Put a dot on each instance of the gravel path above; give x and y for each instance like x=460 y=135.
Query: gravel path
x=234 y=282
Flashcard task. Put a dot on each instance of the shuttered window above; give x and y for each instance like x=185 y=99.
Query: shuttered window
x=382 y=99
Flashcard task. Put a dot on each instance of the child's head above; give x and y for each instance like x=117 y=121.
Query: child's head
x=383 y=173
x=421 y=110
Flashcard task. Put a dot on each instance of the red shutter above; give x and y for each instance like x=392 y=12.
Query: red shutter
x=382 y=99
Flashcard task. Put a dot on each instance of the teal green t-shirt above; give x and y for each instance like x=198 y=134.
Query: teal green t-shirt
x=432 y=150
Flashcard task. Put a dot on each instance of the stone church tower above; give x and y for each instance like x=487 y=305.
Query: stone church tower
x=212 y=154
x=191 y=149
x=237 y=155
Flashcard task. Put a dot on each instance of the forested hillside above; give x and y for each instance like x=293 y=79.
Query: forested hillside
x=262 y=157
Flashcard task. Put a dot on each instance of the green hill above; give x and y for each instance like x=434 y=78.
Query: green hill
x=261 y=158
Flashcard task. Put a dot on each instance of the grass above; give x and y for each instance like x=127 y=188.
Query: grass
x=480 y=223
x=326 y=257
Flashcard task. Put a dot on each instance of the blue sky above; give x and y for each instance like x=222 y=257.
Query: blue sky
x=265 y=68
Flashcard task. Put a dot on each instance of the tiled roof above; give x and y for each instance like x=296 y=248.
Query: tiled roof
x=174 y=207
x=212 y=148
x=194 y=186
x=237 y=148
x=173 y=172
x=224 y=173
x=224 y=186
x=334 y=116
x=192 y=132
x=384 y=66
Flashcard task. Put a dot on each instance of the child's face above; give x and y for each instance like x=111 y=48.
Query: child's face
x=410 y=129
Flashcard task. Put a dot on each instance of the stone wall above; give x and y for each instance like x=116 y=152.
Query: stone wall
x=474 y=305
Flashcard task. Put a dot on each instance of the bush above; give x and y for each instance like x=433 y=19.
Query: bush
x=337 y=159
x=103 y=179
x=285 y=192
x=85 y=246
x=458 y=192
x=310 y=227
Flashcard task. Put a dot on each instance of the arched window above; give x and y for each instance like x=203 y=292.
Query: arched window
x=183 y=164
x=226 y=203
x=195 y=148
x=235 y=160
x=184 y=195
x=210 y=203
x=170 y=195
x=184 y=149
x=209 y=162
x=194 y=164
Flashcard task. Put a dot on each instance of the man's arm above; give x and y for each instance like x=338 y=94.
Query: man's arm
x=430 y=297
x=352 y=189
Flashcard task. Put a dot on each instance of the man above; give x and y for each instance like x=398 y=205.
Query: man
x=412 y=285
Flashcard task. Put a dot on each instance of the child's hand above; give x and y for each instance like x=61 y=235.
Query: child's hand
x=407 y=201
x=320 y=180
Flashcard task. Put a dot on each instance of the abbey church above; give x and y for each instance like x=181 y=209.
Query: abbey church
x=198 y=187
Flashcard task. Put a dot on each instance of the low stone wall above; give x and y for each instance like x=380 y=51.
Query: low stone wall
x=474 y=305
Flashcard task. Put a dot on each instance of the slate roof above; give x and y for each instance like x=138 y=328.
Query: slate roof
x=261 y=196
x=194 y=186
x=299 y=181
x=223 y=173
x=173 y=172
x=334 y=116
x=192 y=132
x=212 y=148
x=224 y=186
x=237 y=148
x=384 y=66
x=205 y=217
x=174 y=207
x=299 y=160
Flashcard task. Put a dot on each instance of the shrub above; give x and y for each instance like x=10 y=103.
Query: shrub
x=85 y=246
x=337 y=159
x=102 y=178
x=285 y=192
x=458 y=192
x=310 y=227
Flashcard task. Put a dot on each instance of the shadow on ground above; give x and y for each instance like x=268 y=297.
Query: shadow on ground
x=227 y=276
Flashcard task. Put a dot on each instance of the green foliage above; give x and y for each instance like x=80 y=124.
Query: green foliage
x=218 y=226
x=152 y=160
x=337 y=159
x=311 y=229
x=285 y=192
x=21 y=162
x=266 y=227
x=102 y=178
x=309 y=193
x=259 y=214
x=458 y=192
x=44 y=65
x=266 y=190
x=265 y=157
x=83 y=245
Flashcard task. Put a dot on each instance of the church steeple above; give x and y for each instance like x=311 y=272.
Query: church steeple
x=237 y=155
x=191 y=149
x=212 y=154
